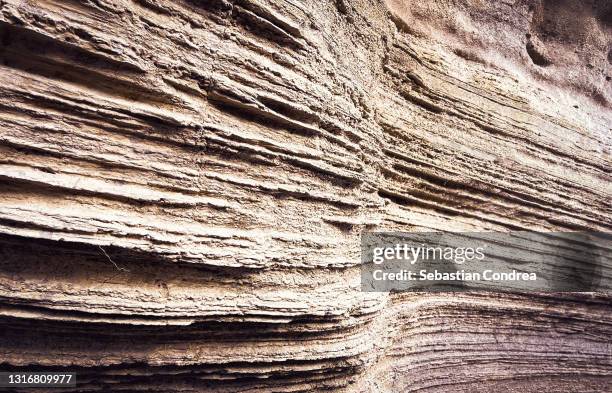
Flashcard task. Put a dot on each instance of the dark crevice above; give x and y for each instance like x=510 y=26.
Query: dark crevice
x=536 y=55
x=37 y=54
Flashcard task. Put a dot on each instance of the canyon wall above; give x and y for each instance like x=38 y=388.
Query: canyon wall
x=183 y=185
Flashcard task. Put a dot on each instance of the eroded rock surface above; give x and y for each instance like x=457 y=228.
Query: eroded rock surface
x=183 y=185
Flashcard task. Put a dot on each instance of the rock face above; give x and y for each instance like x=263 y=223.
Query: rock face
x=183 y=185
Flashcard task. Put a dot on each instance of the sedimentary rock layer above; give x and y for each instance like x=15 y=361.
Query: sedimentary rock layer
x=183 y=185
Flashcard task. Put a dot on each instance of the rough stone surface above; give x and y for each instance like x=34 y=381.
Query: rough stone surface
x=183 y=185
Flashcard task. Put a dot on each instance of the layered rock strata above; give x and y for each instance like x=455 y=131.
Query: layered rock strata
x=183 y=185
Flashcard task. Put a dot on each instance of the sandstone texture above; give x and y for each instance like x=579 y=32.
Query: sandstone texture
x=183 y=185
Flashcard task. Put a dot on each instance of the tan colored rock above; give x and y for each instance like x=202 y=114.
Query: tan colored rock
x=183 y=185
